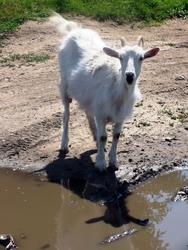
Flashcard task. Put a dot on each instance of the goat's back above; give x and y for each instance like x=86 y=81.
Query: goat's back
x=78 y=44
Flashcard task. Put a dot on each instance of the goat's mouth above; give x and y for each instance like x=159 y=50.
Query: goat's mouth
x=129 y=83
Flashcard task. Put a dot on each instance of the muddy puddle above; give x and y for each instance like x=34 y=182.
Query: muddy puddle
x=42 y=215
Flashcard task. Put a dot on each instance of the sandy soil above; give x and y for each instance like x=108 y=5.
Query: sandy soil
x=154 y=140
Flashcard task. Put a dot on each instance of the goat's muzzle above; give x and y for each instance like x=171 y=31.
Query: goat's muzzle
x=129 y=77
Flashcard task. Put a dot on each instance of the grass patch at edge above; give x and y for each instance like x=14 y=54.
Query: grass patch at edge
x=15 y=12
x=27 y=58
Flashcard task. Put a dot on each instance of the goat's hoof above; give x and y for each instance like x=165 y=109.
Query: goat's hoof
x=63 y=152
x=100 y=167
x=113 y=167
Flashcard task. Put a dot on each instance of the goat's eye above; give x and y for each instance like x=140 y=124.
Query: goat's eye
x=140 y=58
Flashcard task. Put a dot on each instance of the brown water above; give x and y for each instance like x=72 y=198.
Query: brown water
x=43 y=215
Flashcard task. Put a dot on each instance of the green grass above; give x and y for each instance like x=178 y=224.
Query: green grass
x=15 y=12
x=27 y=58
x=128 y=10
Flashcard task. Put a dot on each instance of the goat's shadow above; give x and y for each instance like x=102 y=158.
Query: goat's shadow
x=81 y=177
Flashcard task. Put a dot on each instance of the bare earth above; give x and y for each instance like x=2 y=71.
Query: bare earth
x=154 y=140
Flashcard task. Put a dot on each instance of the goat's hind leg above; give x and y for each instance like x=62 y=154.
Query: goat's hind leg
x=66 y=116
x=92 y=125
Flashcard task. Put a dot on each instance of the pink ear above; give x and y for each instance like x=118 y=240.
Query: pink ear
x=151 y=53
x=111 y=52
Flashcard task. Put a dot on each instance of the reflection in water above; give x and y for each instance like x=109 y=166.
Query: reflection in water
x=72 y=231
x=81 y=177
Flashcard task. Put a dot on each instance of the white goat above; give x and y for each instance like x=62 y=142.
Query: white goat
x=104 y=81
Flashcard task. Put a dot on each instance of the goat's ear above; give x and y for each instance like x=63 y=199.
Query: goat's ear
x=151 y=53
x=123 y=41
x=140 y=41
x=111 y=52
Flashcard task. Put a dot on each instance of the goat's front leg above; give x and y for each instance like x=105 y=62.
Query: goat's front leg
x=113 y=151
x=101 y=142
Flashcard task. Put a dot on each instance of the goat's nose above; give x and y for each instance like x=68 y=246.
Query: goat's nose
x=129 y=77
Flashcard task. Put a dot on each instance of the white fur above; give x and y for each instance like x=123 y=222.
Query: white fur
x=95 y=76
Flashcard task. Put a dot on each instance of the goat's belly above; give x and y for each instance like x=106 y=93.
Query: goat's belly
x=81 y=98
x=83 y=91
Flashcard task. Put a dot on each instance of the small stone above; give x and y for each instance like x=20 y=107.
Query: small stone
x=7 y=241
x=155 y=168
x=169 y=139
x=161 y=102
x=138 y=104
x=46 y=246
x=175 y=164
x=186 y=127
x=182 y=194
x=180 y=78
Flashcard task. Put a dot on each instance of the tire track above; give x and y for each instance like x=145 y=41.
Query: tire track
x=29 y=137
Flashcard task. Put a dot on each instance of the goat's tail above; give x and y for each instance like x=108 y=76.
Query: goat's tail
x=63 y=26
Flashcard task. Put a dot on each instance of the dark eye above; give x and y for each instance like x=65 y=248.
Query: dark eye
x=141 y=58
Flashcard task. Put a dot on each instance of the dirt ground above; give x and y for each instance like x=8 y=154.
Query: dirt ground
x=154 y=140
